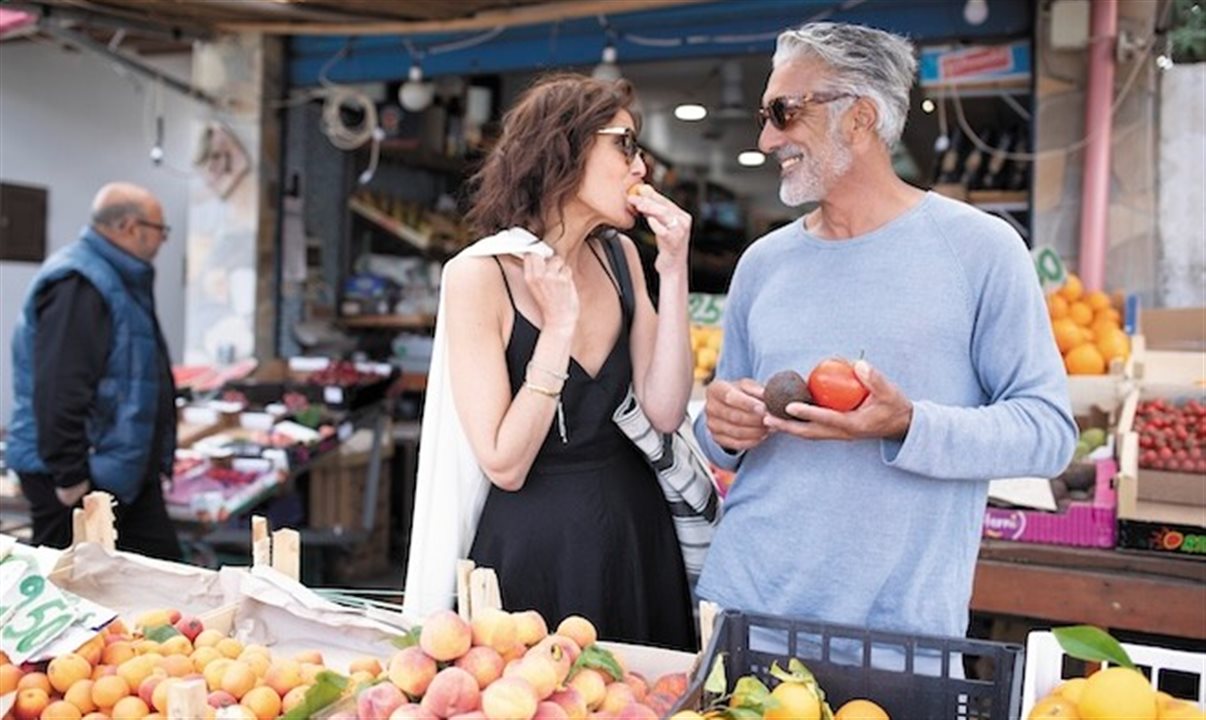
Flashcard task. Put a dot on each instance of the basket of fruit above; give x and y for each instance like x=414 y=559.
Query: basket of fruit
x=1173 y=686
x=774 y=667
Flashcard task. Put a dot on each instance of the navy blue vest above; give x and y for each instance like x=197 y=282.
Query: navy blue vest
x=121 y=423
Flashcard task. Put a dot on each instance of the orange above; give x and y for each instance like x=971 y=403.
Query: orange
x=860 y=710
x=1073 y=288
x=1057 y=306
x=1113 y=344
x=1098 y=300
x=1118 y=692
x=1108 y=314
x=1067 y=334
x=263 y=701
x=1080 y=313
x=796 y=702
x=1085 y=360
x=1054 y=707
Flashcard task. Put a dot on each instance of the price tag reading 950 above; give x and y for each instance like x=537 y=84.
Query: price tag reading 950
x=32 y=611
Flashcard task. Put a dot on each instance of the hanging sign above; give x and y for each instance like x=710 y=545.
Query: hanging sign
x=963 y=65
x=1050 y=268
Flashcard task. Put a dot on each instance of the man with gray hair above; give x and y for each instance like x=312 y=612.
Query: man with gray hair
x=872 y=517
x=94 y=396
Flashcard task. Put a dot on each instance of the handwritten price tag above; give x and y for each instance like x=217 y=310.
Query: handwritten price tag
x=705 y=308
x=1050 y=268
x=32 y=611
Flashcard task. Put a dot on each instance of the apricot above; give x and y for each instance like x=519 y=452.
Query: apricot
x=283 y=676
x=445 y=636
x=550 y=711
x=510 y=697
x=412 y=670
x=130 y=708
x=483 y=663
x=369 y=665
x=592 y=685
x=34 y=681
x=61 y=710
x=452 y=692
x=495 y=629
x=540 y=672
x=579 y=629
x=10 y=676
x=108 y=690
x=294 y=697
x=208 y=638
x=30 y=703
x=530 y=627
x=571 y=702
x=116 y=653
x=264 y=703
x=377 y=702
x=238 y=679
x=80 y=695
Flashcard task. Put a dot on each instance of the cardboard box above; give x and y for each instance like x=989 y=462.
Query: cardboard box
x=1158 y=510
x=1181 y=329
x=1083 y=524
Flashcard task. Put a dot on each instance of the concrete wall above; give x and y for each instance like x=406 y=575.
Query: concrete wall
x=70 y=123
x=1182 y=261
x=1131 y=258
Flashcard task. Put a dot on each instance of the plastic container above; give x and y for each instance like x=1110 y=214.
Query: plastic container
x=1045 y=665
x=925 y=682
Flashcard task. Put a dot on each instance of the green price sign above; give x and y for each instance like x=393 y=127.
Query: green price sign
x=705 y=308
x=1050 y=267
x=34 y=611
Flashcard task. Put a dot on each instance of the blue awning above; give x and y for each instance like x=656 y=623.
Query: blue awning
x=716 y=29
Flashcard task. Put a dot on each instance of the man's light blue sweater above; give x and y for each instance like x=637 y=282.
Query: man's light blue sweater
x=944 y=301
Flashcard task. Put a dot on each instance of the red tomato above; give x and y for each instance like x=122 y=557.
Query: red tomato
x=834 y=385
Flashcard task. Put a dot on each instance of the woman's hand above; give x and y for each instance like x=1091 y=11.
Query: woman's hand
x=671 y=227
x=551 y=283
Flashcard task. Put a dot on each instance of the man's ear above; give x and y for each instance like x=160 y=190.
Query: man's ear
x=864 y=116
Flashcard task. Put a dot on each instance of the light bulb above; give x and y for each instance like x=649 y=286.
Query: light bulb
x=751 y=158
x=927 y=106
x=690 y=112
x=157 y=155
x=415 y=95
x=975 y=12
x=607 y=68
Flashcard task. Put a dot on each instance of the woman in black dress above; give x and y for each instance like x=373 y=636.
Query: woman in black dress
x=541 y=352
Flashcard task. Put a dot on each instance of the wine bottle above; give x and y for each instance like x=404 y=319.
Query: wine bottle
x=972 y=166
x=1019 y=172
x=998 y=166
x=949 y=168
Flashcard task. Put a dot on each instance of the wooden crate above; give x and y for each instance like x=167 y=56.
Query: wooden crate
x=337 y=487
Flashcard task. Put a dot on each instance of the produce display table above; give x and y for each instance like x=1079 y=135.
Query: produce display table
x=1108 y=588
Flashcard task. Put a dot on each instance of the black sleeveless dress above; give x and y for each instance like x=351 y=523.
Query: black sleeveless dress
x=589 y=533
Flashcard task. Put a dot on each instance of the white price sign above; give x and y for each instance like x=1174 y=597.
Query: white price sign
x=705 y=308
x=32 y=610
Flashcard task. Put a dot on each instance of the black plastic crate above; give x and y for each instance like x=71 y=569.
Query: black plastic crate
x=925 y=683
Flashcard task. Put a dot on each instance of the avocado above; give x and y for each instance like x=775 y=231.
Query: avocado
x=785 y=387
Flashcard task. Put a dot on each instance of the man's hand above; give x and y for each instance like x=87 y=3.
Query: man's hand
x=886 y=413
x=69 y=496
x=735 y=414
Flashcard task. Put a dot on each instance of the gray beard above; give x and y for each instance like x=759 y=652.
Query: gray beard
x=814 y=176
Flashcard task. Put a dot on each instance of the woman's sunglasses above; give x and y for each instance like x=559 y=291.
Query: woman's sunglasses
x=626 y=139
x=781 y=111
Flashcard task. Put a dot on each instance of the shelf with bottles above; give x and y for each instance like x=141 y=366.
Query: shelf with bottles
x=437 y=234
x=989 y=171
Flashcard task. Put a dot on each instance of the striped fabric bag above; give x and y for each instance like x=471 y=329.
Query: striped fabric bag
x=685 y=479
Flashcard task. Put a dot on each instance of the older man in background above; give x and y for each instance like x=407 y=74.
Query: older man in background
x=94 y=396
x=872 y=517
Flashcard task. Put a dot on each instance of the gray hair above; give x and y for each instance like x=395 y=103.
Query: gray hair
x=113 y=213
x=865 y=62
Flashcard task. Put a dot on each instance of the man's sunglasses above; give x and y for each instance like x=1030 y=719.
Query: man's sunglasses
x=781 y=111
x=627 y=140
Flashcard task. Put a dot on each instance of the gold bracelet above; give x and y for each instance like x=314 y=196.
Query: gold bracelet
x=542 y=390
x=551 y=373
